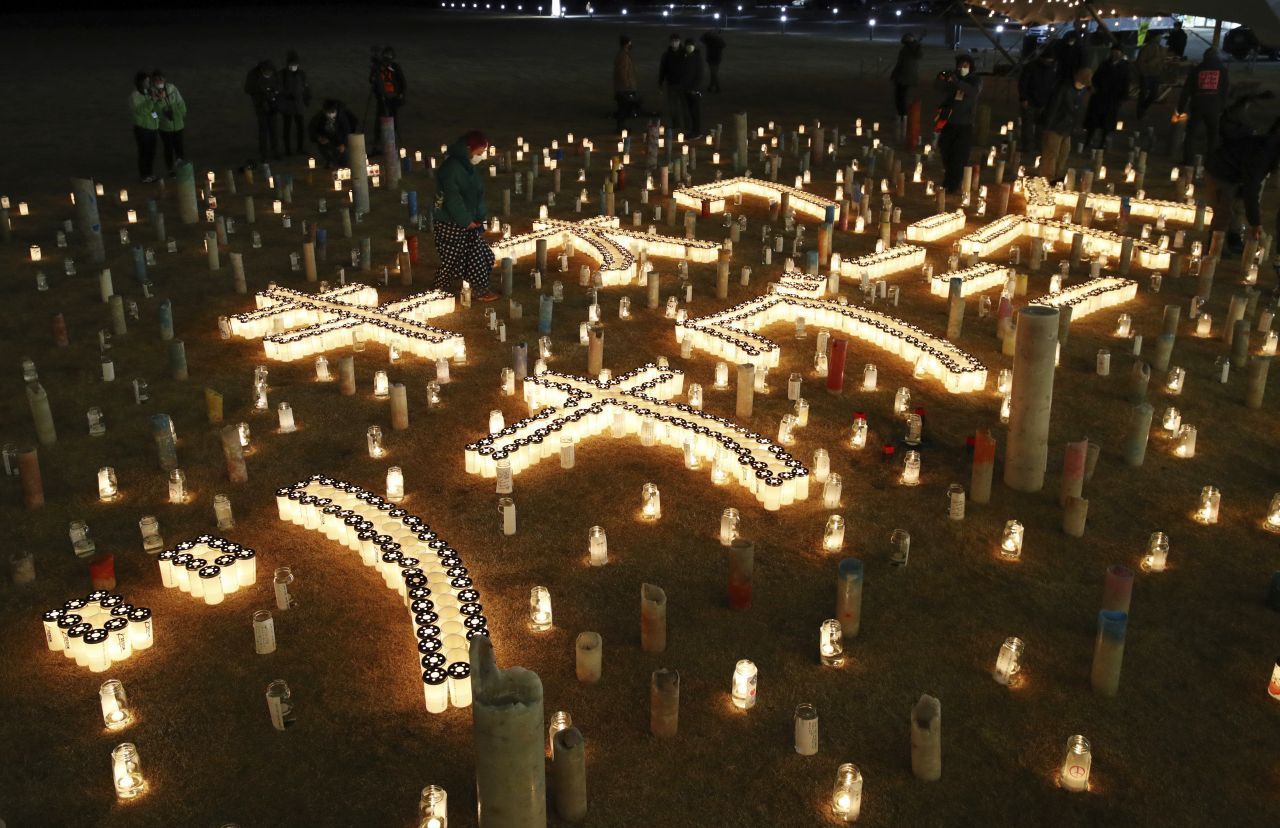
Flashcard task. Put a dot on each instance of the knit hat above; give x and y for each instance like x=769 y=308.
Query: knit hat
x=475 y=140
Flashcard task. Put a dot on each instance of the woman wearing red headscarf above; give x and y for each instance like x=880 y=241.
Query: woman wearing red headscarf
x=459 y=219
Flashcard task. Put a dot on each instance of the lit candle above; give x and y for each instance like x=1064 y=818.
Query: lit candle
x=374 y=439
x=1157 y=556
x=1210 y=500
x=539 y=609
x=116 y=713
x=177 y=486
x=858 y=436
x=729 y=526
x=1186 y=444
x=107 y=488
x=1272 y=521
x=869 y=378
x=381 y=386
x=1008 y=661
x=846 y=796
x=833 y=534
x=722 y=375
x=831 y=491
x=598 y=546
x=395 y=484
x=1075 y=767
x=831 y=643
x=902 y=401
x=35 y=253
x=1172 y=420
x=650 y=502
x=744 y=684
x=284 y=413
x=911 y=468
x=126 y=769
x=1011 y=540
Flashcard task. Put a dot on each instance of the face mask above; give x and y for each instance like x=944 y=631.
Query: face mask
x=476 y=158
x=964 y=70
x=293 y=67
x=160 y=86
x=675 y=45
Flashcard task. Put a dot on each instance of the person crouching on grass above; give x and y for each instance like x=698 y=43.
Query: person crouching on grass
x=460 y=212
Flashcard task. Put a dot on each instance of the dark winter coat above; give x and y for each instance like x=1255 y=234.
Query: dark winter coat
x=1063 y=114
x=691 y=71
x=906 y=72
x=263 y=88
x=670 y=67
x=1110 y=88
x=1207 y=85
x=714 y=45
x=335 y=132
x=295 y=92
x=1070 y=57
x=387 y=81
x=961 y=96
x=1245 y=161
x=1037 y=83
x=1178 y=42
x=459 y=188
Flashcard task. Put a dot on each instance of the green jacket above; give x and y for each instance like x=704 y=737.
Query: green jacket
x=459 y=188
x=172 y=110
x=143 y=108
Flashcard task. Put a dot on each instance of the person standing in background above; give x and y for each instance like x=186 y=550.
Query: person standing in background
x=1110 y=89
x=263 y=88
x=625 y=90
x=388 y=85
x=1204 y=97
x=1178 y=40
x=1060 y=122
x=955 y=140
x=1150 y=65
x=172 y=109
x=691 y=83
x=146 y=125
x=906 y=79
x=1036 y=86
x=460 y=212
x=670 y=70
x=713 y=44
x=295 y=97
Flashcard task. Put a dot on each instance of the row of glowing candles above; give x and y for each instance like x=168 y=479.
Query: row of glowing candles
x=413 y=562
x=294 y=325
x=1009 y=228
x=727 y=335
x=1043 y=198
x=718 y=192
x=98 y=630
x=208 y=568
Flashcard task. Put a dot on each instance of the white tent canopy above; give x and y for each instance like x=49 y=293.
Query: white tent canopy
x=1263 y=16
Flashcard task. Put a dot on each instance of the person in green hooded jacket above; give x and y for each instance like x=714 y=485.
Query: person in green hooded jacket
x=146 y=122
x=460 y=213
x=172 y=109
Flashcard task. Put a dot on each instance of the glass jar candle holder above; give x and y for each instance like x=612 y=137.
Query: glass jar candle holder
x=1011 y=540
x=786 y=430
x=597 y=546
x=1008 y=660
x=1076 y=764
x=899 y=547
x=722 y=376
x=1272 y=521
x=650 y=502
x=831 y=643
x=177 y=486
x=116 y=713
x=1006 y=408
x=1174 y=380
x=915 y=427
x=858 y=434
x=1171 y=420
x=833 y=534
x=149 y=527
x=322 y=370
x=1210 y=501
x=911 y=469
x=831 y=491
x=381 y=385
x=745 y=677
x=902 y=402
x=1157 y=555
x=108 y=490
x=695 y=395
x=373 y=438
x=1185 y=443
x=284 y=413
x=126 y=771
x=540 y=617
x=730 y=523
x=222 y=512
x=846 y=795
x=1204 y=324
x=395 y=484
x=870 y=377
x=433 y=803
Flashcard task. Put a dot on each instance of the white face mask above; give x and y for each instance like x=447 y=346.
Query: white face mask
x=478 y=157
x=964 y=70
x=293 y=67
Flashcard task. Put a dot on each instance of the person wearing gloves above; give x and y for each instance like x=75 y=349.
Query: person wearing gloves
x=460 y=212
x=146 y=125
x=172 y=109
x=263 y=88
x=955 y=119
x=329 y=131
x=295 y=97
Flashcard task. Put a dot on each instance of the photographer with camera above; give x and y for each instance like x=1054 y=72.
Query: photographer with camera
x=263 y=88
x=387 y=86
x=172 y=109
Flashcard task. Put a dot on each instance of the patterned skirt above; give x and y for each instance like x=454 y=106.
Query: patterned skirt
x=464 y=255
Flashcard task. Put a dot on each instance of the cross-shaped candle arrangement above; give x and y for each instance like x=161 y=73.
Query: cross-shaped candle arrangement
x=98 y=630
x=209 y=568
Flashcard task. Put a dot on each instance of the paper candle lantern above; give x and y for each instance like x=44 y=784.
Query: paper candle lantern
x=744 y=685
x=540 y=617
x=846 y=796
x=126 y=770
x=1074 y=776
x=1207 y=512
x=1011 y=540
x=831 y=643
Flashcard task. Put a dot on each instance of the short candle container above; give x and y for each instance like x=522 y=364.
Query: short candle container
x=597 y=546
x=831 y=643
x=126 y=770
x=650 y=502
x=116 y=713
x=911 y=469
x=1272 y=521
x=540 y=617
x=1075 y=766
x=434 y=802
x=374 y=439
x=833 y=534
x=395 y=484
x=899 y=547
x=1011 y=540
x=177 y=486
x=149 y=527
x=831 y=491
x=745 y=677
x=1008 y=660
x=730 y=522
x=1157 y=556
x=1210 y=501
x=846 y=796
x=1185 y=446
x=108 y=490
